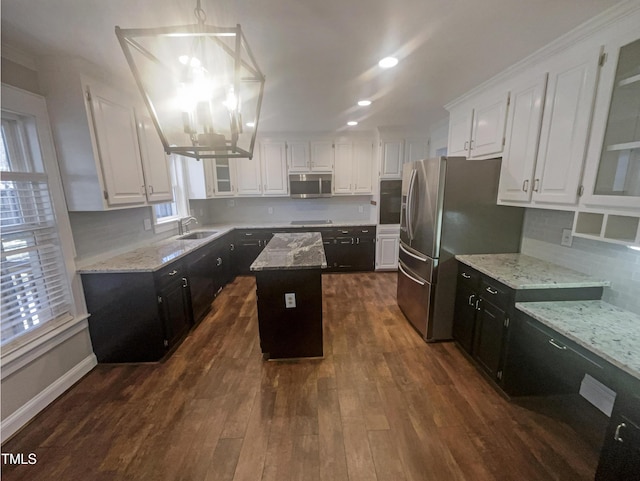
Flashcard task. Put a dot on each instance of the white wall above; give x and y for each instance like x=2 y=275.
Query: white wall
x=35 y=376
x=619 y=264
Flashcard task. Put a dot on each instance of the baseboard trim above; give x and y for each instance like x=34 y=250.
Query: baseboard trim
x=29 y=410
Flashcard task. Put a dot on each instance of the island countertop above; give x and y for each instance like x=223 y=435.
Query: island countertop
x=520 y=271
x=606 y=330
x=291 y=251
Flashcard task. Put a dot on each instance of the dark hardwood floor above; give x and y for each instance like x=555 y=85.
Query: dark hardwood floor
x=381 y=405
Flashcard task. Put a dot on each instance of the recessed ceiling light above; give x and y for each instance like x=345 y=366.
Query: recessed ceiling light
x=388 y=62
x=364 y=103
x=352 y=123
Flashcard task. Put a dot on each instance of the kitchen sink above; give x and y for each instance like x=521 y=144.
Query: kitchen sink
x=198 y=235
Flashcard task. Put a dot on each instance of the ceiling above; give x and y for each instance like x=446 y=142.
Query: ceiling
x=320 y=56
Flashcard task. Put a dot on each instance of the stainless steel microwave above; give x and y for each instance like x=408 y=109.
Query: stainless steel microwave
x=308 y=186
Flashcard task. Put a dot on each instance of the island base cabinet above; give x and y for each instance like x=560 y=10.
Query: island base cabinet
x=290 y=331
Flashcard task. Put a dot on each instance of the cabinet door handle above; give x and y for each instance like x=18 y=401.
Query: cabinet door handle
x=465 y=275
x=365 y=231
x=525 y=185
x=143 y=189
x=358 y=240
x=219 y=261
x=471 y=144
x=185 y=282
x=535 y=185
x=491 y=291
x=470 y=302
x=173 y=273
x=616 y=436
x=247 y=234
x=556 y=345
x=232 y=247
x=478 y=302
x=151 y=189
x=466 y=145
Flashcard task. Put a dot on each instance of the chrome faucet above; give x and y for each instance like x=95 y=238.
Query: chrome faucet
x=184 y=222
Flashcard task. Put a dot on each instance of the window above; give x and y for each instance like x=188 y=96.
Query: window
x=34 y=287
x=171 y=211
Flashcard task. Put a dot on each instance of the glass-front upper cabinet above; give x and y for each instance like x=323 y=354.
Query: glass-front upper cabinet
x=619 y=169
x=616 y=180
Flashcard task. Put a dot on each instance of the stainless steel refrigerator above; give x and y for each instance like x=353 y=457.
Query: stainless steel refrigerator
x=448 y=208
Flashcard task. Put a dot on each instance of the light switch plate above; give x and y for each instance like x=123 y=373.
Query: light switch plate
x=147 y=224
x=290 y=300
x=567 y=238
x=270 y=210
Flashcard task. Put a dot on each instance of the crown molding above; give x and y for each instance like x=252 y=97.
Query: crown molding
x=19 y=56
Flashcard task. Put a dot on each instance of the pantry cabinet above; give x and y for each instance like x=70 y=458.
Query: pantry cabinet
x=391 y=159
x=273 y=163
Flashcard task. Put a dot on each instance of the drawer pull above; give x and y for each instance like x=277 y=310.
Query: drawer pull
x=556 y=345
x=173 y=272
x=219 y=261
x=616 y=436
x=470 y=302
x=491 y=291
x=466 y=276
x=365 y=231
x=417 y=281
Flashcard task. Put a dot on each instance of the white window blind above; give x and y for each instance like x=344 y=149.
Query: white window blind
x=33 y=284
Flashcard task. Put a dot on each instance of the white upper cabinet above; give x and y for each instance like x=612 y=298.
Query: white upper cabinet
x=273 y=161
x=116 y=139
x=612 y=174
x=460 y=122
x=248 y=176
x=353 y=167
x=108 y=159
x=322 y=156
x=522 y=135
x=416 y=149
x=391 y=159
x=154 y=162
x=566 y=119
x=478 y=131
x=298 y=156
x=208 y=178
x=487 y=133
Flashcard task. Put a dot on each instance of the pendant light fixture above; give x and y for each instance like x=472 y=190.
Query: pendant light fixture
x=201 y=85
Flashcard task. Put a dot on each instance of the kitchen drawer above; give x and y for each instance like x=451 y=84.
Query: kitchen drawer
x=495 y=293
x=468 y=277
x=168 y=274
x=541 y=361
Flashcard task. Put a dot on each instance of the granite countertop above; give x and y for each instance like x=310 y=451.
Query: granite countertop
x=153 y=257
x=292 y=251
x=519 y=271
x=608 y=331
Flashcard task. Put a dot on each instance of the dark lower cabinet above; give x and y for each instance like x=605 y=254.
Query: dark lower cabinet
x=350 y=249
x=247 y=245
x=137 y=317
x=490 y=332
x=201 y=269
x=483 y=315
x=620 y=456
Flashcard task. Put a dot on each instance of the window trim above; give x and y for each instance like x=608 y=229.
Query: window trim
x=24 y=103
x=178 y=176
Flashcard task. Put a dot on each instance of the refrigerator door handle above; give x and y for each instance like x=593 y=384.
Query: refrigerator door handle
x=409 y=209
x=420 y=258
x=417 y=281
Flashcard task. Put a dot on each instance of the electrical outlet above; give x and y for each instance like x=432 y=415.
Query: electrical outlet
x=270 y=210
x=290 y=300
x=360 y=209
x=147 y=224
x=567 y=238
x=231 y=203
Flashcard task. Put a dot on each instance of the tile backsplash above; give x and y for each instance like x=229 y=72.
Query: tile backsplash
x=541 y=237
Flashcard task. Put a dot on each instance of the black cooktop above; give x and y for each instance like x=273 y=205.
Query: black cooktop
x=310 y=222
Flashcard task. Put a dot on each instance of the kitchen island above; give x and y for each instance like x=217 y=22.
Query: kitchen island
x=289 y=290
